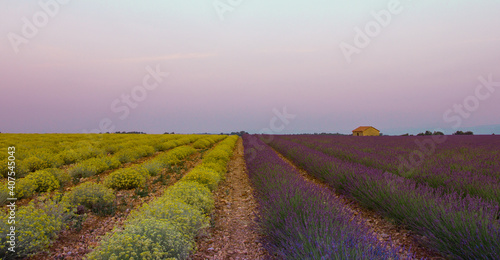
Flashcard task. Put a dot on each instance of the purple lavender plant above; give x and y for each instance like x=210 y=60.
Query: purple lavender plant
x=460 y=226
x=301 y=220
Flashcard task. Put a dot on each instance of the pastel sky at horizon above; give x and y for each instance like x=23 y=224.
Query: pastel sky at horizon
x=234 y=74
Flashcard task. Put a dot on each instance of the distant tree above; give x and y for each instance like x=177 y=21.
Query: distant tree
x=420 y=134
x=428 y=132
x=407 y=134
x=438 y=133
x=463 y=133
x=240 y=133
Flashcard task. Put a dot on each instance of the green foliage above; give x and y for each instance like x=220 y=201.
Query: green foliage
x=93 y=196
x=144 y=239
x=127 y=178
x=88 y=168
x=192 y=193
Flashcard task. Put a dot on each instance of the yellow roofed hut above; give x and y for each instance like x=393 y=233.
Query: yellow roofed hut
x=366 y=131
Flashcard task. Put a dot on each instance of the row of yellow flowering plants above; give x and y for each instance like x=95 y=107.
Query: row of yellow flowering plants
x=166 y=228
x=39 y=223
x=48 y=179
x=40 y=151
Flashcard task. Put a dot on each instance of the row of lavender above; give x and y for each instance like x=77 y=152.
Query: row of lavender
x=464 y=164
x=302 y=220
x=461 y=227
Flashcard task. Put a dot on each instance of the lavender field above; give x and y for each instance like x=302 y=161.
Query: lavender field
x=446 y=190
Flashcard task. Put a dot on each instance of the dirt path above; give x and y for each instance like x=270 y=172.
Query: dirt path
x=379 y=226
x=232 y=234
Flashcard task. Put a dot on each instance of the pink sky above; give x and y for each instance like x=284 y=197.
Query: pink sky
x=228 y=75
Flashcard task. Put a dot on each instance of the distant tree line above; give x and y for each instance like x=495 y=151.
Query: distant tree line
x=440 y=133
x=131 y=132
x=430 y=133
x=463 y=133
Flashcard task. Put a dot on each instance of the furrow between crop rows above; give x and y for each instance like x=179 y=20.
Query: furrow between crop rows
x=233 y=233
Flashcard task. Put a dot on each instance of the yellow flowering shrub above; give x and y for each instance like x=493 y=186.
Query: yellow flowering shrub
x=4 y=170
x=52 y=159
x=144 y=239
x=202 y=143
x=221 y=168
x=88 y=168
x=165 y=145
x=127 y=155
x=205 y=176
x=25 y=188
x=112 y=162
x=192 y=193
x=127 y=178
x=36 y=226
x=62 y=176
x=70 y=156
x=153 y=166
x=43 y=181
x=88 y=151
x=93 y=196
x=4 y=193
x=186 y=218
x=182 y=152
x=145 y=150
x=176 y=155
x=34 y=164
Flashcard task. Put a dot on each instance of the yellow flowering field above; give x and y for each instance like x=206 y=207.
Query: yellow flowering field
x=57 y=181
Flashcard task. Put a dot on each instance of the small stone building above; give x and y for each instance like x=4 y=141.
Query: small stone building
x=366 y=131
